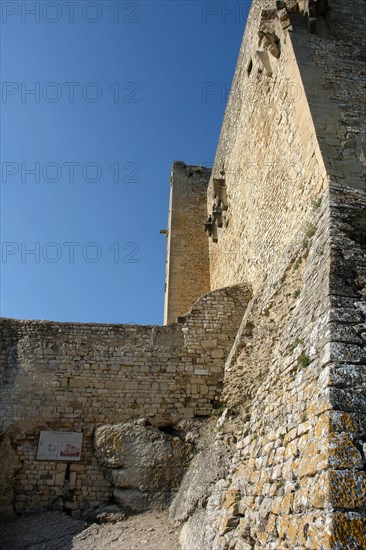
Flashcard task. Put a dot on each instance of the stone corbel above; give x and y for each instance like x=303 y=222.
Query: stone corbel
x=217 y=218
x=219 y=190
x=217 y=214
x=270 y=42
x=313 y=9
x=210 y=229
x=263 y=58
x=220 y=205
x=283 y=16
x=208 y=226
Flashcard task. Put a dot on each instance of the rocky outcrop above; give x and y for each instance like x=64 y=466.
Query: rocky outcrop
x=198 y=503
x=145 y=464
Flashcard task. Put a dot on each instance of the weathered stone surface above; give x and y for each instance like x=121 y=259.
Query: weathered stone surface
x=109 y=513
x=10 y=466
x=196 y=534
x=209 y=466
x=294 y=182
x=144 y=464
x=350 y=527
x=135 y=501
x=347 y=489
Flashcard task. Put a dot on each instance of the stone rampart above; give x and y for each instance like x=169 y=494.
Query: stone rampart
x=75 y=377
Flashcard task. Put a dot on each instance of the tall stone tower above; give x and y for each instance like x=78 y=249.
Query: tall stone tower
x=187 y=268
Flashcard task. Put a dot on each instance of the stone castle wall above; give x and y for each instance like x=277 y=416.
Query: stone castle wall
x=76 y=377
x=286 y=465
x=285 y=136
x=187 y=269
x=291 y=161
x=332 y=65
x=296 y=372
x=274 y=171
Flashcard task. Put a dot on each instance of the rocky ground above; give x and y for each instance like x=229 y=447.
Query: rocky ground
x=57 y=531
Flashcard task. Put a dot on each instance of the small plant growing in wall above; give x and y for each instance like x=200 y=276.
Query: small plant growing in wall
x=218 y=409
x=303 y=360
x=66 y=384
x=305 y=243
x=194 y=451
x=297 y=293
x=280 y=488
x=310 y=230
x=318 y=203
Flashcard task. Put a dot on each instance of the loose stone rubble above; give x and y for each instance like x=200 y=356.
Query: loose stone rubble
x=57 y=531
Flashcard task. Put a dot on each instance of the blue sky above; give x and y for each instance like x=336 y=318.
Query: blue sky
x=97 y=100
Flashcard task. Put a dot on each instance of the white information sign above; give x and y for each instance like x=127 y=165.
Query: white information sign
x=60 y=446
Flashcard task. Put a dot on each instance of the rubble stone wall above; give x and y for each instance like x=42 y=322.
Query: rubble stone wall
x=75 y=377
x=296 y=373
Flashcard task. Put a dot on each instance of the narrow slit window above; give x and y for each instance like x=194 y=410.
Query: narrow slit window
x=250 y=67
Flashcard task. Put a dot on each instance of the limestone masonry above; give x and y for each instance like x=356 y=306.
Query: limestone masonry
x=246 y=412
x=75 y=377
x=187 y=269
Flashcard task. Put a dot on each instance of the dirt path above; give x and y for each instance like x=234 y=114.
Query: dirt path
x=57 y=531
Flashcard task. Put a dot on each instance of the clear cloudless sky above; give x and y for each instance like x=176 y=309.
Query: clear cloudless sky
x=120 y=90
